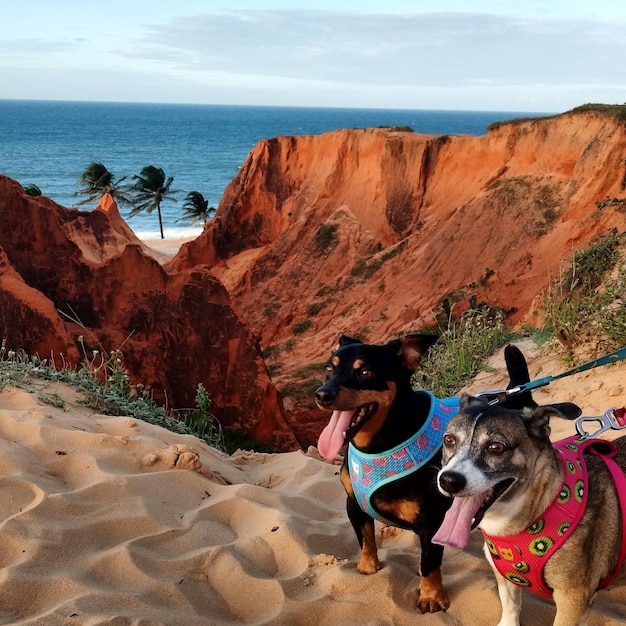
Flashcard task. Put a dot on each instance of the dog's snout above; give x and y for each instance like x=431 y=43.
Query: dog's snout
x=325 y=396
x=452 y=482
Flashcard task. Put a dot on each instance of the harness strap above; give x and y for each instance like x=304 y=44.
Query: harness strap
x=369 y=472
x=620 y=487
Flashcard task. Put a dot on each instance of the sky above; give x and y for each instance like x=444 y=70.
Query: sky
x=543 y=56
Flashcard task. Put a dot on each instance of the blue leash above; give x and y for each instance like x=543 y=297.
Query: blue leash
x=496 y=396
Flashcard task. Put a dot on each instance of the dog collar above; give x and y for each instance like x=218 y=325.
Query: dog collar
x=368 y=472
x=521 y=558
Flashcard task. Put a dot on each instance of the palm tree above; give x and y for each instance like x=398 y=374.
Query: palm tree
x=197 y=209
x=32 y=190
x=150 y=189
x=99 y=181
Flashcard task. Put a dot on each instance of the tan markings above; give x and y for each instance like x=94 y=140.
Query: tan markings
x=345 y=481
x=406 y=510
x=433 y=596
x=368 y=563
x=384 y=399
x=335 y=361
x=357 y=364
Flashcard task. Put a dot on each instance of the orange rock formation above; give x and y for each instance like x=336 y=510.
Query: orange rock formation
x=366 y=231
x=357 y=231
x=66 y=273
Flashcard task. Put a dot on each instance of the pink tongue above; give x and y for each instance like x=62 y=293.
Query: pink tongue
x=331 y=440
x=455 y=530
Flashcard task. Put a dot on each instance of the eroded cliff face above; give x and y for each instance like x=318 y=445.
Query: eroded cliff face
x=367 y=231
x=66 y=273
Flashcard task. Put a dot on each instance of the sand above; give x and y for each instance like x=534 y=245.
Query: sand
x=110 y=520
x=165 y=249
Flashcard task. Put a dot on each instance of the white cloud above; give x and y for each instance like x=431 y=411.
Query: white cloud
x=432 y=49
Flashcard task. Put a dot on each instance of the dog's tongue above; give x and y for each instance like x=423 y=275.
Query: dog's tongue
x=455 y=530
x=331 y=440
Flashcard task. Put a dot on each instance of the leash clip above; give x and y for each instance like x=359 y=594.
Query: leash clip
x=496 y=396
x=613 y=419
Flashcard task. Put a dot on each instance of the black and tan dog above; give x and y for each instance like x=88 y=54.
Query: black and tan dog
x=549 y=525
x=394 y=435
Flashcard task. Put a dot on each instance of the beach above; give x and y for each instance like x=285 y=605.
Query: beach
x=110 y=520
x=164 y=249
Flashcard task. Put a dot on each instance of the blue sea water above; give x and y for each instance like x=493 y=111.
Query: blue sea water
x=50 y=143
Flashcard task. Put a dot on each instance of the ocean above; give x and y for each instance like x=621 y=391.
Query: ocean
x=50 y=143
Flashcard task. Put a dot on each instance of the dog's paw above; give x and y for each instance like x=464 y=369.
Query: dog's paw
x=427 y=604
x=368 y=565
x=432 y=595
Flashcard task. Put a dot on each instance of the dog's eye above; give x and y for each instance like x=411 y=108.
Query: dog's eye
x=329 y=370
x=449 y=440
x=366 y=374
x=497 y=447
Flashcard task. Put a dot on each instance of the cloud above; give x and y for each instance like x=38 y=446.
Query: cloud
x=32 y=47
x=432 y=49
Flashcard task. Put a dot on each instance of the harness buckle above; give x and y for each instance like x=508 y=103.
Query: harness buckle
x=613 y=419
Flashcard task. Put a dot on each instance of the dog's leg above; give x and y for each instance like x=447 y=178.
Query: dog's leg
x=572 y=606
x=364 y=529
x=511 y=601
x=510 y=596
x=433 y=596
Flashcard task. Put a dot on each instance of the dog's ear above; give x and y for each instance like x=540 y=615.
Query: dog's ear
x=345 y=340
x=468 y=401
x=518 y=375
x=537 y=421
x=411 y=348
x=567 y=410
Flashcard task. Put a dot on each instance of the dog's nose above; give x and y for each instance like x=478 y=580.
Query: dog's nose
x=325 y=396
x=452 y=482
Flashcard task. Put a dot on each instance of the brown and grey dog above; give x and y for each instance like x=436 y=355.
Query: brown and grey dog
x=505 y=475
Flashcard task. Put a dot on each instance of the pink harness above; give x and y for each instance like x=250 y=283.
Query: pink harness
x=521 y=558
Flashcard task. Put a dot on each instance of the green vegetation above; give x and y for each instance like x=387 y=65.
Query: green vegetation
x=105 y=386
x=398 y=129
x=608 y=201
x=326 y=238
x=315 y=307
x=461 y=350
x=301 y=327
x=617 y=111
x=302 y=391
x=270 y=309
x=150 y=189
x=273 y=351
x=517 y=192
x=588 y=297
x=197 y=209
x=32 y=190
x=202 y=423
x=366 y=268
x=97 y=181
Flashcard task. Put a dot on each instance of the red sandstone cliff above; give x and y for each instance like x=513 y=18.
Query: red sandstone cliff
x=176 y=329
x=366 y=231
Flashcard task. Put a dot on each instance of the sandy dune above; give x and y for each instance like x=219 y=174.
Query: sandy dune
x=108 y=520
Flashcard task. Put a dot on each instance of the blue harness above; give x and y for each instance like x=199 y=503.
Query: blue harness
x=368 y=472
